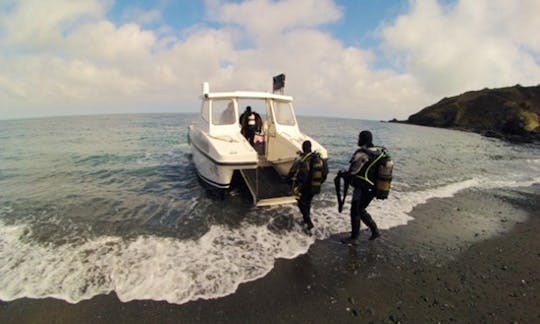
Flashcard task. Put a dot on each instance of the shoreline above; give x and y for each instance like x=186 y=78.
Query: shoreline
x=472 y=257
x=526 y=139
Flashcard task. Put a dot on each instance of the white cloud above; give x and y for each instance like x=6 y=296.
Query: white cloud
x=103 y=41
x=38 y=24
x=264 y=19
x=62 y=56
x=470 y=45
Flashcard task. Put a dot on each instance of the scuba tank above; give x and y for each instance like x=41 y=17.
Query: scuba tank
x=316 y=173
x=383 y=181
x=308 y=170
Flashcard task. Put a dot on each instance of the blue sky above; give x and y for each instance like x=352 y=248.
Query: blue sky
x=357 y=27
x=375 y=59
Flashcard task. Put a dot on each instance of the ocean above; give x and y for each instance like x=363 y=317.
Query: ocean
x=98 y=204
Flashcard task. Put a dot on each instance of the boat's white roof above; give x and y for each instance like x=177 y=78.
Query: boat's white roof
x=247 y=95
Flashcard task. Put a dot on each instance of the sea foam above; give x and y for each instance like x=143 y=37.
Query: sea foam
x=178 y=271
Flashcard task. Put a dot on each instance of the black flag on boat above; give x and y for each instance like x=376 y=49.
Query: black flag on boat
x=279 y=82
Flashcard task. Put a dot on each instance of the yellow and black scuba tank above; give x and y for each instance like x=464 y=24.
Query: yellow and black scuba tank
x=316 y=173
x=376 y=173
x=383 y=182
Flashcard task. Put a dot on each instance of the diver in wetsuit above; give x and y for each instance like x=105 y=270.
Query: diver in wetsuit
x=364 y=192
x=307 y=174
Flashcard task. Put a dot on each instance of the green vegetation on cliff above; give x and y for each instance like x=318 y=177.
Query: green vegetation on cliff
x=511 y=113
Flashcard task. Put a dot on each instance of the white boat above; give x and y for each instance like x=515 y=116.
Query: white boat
x=220 y=150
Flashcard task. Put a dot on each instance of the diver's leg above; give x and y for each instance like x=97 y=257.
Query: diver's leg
x=368 y=220
x=355 y=219
x=304 y=203
x=355 y=224
x=367 y=197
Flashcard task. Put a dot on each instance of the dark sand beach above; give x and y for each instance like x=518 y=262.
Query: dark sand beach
x=471 y=258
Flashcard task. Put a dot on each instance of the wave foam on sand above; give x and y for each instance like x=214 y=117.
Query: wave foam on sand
x=178 y=271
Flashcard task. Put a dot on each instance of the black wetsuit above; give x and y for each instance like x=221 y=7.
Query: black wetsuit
x=304 y=204
x=304 y=184
x=248 y=130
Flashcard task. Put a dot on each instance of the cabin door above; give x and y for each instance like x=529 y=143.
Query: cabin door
x=281 y=131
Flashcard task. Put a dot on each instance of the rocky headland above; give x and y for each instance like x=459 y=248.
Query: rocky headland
x=511 y=113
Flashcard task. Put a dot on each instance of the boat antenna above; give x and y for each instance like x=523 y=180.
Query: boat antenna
x=279 y=83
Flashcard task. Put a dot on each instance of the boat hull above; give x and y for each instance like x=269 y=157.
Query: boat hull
x=213 y=169
x=214 y=173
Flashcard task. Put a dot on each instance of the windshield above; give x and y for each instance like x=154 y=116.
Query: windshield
x=223 y=112
x=284 y=113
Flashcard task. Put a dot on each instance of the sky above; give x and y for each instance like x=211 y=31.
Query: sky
x=373 y=59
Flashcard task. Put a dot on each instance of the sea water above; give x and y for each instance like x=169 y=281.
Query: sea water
x=99 y=204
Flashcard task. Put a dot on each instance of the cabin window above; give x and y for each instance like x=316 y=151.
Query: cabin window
x=205 y=111
x=223 y=112
x=284 y=114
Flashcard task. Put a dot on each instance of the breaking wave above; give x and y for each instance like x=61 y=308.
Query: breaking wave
x=181 y=270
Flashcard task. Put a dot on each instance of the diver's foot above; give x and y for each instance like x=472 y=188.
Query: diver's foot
x=374 y=235
x=303 y=224
x=350 y=241
x=306 y=228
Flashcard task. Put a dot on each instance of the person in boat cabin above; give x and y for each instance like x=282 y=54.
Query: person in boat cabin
x=307 y=174
x=242 y=120
x=251 y=123
x=363 y=193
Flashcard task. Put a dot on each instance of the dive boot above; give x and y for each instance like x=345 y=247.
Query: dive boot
x=374 y=235
x=306 y=227
x=350 y=241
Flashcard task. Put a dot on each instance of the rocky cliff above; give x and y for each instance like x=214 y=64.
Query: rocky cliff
x=511 y=113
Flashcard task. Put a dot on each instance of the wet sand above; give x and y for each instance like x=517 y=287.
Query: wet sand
x=471 y=258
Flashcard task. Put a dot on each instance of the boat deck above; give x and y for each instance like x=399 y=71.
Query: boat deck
x=267 y=187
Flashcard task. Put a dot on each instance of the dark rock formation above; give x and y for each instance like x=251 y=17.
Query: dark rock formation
x=511 y=113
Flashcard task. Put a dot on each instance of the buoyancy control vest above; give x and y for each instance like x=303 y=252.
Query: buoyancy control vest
x=376 y=173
